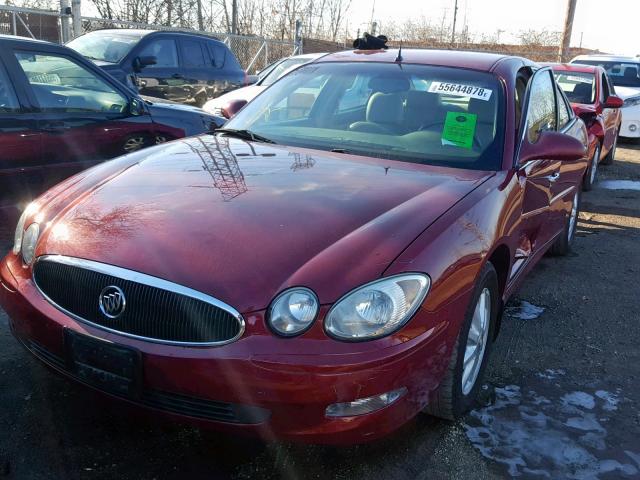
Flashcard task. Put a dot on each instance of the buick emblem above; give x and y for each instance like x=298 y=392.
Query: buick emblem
x=112 y=301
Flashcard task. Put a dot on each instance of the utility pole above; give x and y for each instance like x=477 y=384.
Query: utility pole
x=563 y=53
x=372 y=23
x=455 y=16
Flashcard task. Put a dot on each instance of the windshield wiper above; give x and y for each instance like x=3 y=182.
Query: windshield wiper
x=244 y=134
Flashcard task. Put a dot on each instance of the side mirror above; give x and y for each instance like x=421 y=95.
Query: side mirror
x=552 y=146
x=136 y=107
x=613 y=102
x=232 y=107
x=140 y=62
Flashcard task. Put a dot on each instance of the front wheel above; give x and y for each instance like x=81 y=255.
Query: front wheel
x=459 y=388
x=563 y=244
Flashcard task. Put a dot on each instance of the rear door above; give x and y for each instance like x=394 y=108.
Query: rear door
x=228 y=74
x=81 y=114
x=198 y=71
x=20 y=142
x=165 y=79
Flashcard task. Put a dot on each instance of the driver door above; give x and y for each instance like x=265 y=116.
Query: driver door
x=538 y=177
x=82 y=117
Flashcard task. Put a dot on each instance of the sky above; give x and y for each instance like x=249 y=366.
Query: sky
x=611 y=29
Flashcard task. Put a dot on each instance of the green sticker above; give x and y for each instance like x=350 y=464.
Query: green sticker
x=459 y=129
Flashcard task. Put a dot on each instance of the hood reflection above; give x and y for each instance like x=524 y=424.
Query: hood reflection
x=301 y=162
x=220 y=162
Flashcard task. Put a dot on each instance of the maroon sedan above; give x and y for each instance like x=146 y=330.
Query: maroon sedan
x=593 y=98
x=331 y=264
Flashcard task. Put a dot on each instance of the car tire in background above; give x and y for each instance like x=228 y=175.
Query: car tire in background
x=591 y=175
x=610 y=157
x=459 y=388
x=562 y=245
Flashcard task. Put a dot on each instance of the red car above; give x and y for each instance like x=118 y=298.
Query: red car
x=593 y=98
x=321 y=272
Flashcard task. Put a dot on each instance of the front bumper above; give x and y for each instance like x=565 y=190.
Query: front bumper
x=630 y=126
x=260 y=384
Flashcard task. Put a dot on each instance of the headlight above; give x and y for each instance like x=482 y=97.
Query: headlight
x=293 y=311
x=631 y=101
x=378 y=308
x=17 y=239
x=29 y=242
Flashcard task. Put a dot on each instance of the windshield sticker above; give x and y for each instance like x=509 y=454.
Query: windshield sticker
x=459 y=129
x=461 y=90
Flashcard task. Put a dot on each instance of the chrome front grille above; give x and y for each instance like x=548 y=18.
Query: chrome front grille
x=156 y=309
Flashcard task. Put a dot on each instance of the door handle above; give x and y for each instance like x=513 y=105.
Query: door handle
x=553 y=178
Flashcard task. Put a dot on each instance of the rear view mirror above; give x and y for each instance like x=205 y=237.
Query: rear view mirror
x=552 y=146
x=140 y=62
x=613 y=101
x=233 y=107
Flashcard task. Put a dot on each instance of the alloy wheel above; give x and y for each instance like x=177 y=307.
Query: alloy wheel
x=476 y=341
x=133 y=144
x=594 y=164
x=573 y=216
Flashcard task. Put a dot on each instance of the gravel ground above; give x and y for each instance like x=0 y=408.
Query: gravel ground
x=561 y=398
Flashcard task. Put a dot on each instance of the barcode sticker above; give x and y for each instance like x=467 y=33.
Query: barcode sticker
x=461 y=90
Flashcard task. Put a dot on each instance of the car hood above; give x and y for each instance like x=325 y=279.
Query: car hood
x=245 y=93
x=626 y=92
x=242 y=221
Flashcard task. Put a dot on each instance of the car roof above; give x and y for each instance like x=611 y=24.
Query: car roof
x=573 y=67
x=445 y=58
x=14 y=38
x=133 y=32
x=606 y=58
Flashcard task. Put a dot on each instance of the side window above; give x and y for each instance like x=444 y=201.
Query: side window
x=165 y=52
x=299 y=102
x=62 y=85
x=542 y=106
x=564 y=114
x=217 y=53
x=356 y=96
x=8 y=100
x=192 y=54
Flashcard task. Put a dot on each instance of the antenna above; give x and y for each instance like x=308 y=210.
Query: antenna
x=399 y=57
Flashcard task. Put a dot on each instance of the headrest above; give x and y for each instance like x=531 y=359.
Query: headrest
x=389 y=84
x=631 y=72
x=385 y=108
x=420 y=107
x=582 y=93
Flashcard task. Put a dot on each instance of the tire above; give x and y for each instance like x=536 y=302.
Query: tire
x=591 y=175
x=454 y=397
x=562 y=245
x=610 y=157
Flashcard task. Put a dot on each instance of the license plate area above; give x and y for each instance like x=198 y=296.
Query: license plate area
x=107 y=366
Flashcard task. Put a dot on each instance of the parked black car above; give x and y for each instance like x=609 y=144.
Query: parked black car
x=183 y=67
x=60 y=113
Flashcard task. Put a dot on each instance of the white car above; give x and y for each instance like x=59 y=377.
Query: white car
x=624 y=73
x=265 y=78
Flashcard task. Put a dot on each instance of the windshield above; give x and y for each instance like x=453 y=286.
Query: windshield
x=622 y=74
x=281 y=68
x=415 y=113
x=106 y=47
x=578 y=87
